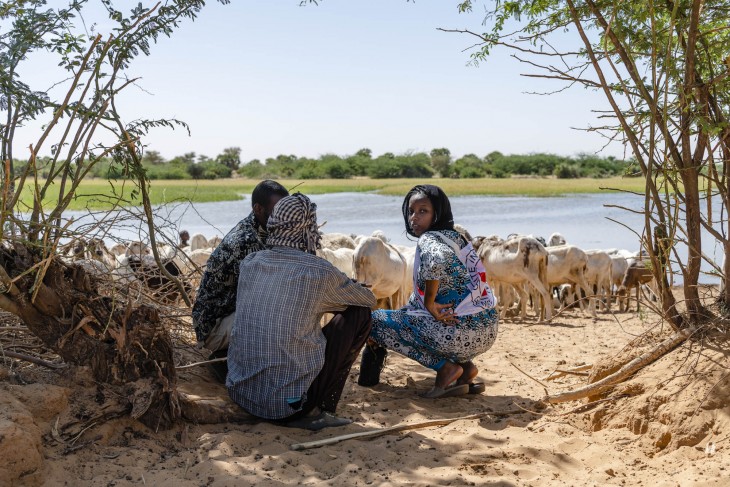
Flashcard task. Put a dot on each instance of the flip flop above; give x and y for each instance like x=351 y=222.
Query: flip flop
x=477 y=387
x=451 y=391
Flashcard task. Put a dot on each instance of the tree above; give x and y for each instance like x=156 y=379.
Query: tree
x=283 y=165
x=252 y=169
x=214 y=170
x=566 y=171
x=124 y=341
x=406 y=166
x=468 y=166
x=230 y=157
x=185 y=159
x=663 y=69
x=441 y=161
x=196 y=170
x=332 y=166
x=153 y=158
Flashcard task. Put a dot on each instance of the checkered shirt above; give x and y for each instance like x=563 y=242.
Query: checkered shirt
x=277 y=346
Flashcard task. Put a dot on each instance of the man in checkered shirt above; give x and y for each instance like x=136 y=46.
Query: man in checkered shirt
x=282 y=365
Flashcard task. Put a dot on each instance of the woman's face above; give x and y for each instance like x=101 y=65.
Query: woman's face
x=420 y=214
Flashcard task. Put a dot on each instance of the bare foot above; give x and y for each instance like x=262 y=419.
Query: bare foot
x=470 y=372
x=448 y=374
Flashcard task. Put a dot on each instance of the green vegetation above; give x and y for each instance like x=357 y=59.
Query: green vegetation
x=438 y=163
x=100 y=193
x=200 y=179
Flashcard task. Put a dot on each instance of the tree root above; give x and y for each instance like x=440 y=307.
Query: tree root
x=624 y=372
x=32 y=359
x=124 y=342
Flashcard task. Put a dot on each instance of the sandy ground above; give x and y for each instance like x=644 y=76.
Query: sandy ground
x=670 y=425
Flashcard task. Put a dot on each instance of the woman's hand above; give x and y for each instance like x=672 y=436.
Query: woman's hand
x=440 y=312
x=443 y=313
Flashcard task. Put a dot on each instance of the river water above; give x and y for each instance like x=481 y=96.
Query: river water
x=590 y=221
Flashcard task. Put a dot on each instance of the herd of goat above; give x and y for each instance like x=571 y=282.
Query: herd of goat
x=522 y=270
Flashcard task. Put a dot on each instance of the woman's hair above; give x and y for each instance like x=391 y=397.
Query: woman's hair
x=443 y=218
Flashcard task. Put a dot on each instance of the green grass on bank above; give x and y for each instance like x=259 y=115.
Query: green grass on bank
x=100 y=193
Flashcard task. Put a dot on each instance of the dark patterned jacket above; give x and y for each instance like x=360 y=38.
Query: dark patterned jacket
x=217 y=292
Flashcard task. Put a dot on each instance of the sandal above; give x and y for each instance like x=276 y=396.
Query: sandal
x=451 y=391
x=477 y=387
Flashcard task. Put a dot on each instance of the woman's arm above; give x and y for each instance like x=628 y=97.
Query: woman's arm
x=440 y=312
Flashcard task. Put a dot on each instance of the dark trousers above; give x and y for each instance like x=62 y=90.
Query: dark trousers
x=346 y=334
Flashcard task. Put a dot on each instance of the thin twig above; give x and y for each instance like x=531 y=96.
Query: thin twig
x=14 y=328
x=580 y=370
x=531 y=377
x=32 y=359
x=204 y=362
x=73 y=448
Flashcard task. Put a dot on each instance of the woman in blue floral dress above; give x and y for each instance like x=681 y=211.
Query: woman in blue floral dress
x=450 y=317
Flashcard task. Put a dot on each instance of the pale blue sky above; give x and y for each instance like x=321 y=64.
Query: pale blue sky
x=272 y=78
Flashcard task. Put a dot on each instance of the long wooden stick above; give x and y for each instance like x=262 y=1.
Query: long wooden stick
x=397 y=428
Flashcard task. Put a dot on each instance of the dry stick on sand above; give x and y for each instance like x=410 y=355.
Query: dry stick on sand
x=580 y=370
x=397 y=428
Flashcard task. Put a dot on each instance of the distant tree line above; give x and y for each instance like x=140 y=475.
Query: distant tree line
x=437 y=163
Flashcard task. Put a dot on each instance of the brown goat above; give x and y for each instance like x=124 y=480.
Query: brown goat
x=636 y=274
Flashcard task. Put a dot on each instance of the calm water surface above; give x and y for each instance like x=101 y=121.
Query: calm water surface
x=586 y=220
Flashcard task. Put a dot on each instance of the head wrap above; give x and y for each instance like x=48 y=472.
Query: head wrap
x=293 y=223
x=443 y=218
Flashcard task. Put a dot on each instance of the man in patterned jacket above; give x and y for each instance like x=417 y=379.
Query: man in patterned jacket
x=215 y=304
x=283 y=365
